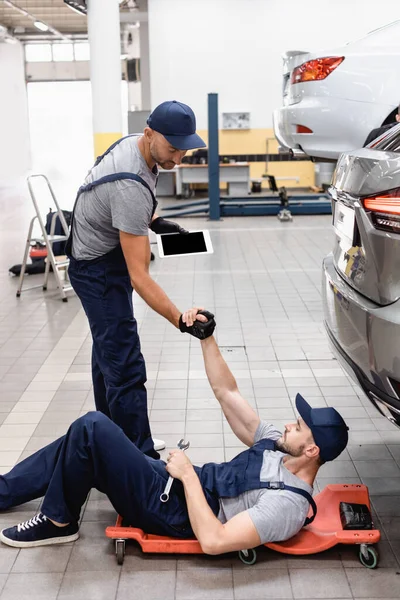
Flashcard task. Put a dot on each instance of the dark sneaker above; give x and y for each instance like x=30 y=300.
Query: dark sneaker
x=38 y=531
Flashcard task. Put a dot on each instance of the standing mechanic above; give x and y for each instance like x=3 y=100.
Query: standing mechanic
x=109 y=255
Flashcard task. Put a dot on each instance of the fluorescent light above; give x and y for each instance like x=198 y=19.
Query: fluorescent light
x=41 y=26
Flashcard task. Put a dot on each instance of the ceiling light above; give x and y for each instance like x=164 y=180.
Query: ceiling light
x=41 y=26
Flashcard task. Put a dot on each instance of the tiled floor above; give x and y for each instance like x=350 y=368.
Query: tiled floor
x=263 y=283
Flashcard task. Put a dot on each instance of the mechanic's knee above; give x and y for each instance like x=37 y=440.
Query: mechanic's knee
x=93 y=417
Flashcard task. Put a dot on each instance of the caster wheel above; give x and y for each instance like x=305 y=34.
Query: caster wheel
x=120 y=551
x=152 y=257
x=248 y=557
x=65 y=299
x=369 y=558
x=18 y=294
x=44 y=288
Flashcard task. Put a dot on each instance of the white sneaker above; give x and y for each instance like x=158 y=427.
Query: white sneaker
x=159 y=444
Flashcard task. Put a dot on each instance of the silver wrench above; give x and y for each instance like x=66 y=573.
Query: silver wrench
x=182 y=445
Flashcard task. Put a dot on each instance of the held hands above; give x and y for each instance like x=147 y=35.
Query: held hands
x=198 y=322
x=160 y=225
x=178 y=464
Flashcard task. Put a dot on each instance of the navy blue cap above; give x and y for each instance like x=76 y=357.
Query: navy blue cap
x=327 y=426
x=177 y=123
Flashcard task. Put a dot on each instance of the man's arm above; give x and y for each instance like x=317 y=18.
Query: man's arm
x=240 y=415
x=215 y=537
x=136 y=249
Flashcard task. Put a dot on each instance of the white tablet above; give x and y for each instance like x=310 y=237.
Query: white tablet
x=177 y=244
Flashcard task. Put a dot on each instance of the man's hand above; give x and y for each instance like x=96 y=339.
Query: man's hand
x=160 y=225
x=178 y=464
x=198 y=322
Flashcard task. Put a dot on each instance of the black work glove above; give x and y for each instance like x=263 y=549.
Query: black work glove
x=161 y=225
x=199 y=329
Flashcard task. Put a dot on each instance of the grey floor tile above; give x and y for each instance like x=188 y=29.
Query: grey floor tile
x=93 y=531
x=382 y=485
x=3 y=579
x=204 y=583
x=330 y=559
x=87 y=557
x=32 y=586
x=214 y=414
x=196 y=427
x=99 y=510
x=49 y=429
x=59 y=417
x=371 y=468
x=42 y=560
x=365 y=583
x=386 y=505
x=200 y=456
x=338 y=468
x=261 y=584
x=319 y=583
x=142 y=585
x=391 y=527
x=367 y=452
x=89 y=585
x=8 y=557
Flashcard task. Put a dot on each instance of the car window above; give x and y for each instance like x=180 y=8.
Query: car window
x=389 y=141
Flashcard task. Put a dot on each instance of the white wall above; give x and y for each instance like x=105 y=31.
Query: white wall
x=234 y=47
x=60 y=115
x=14 y=127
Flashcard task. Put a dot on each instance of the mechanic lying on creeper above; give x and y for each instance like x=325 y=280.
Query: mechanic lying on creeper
x=262 y=495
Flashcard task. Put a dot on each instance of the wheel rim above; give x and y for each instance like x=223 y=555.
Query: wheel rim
x=250 y=559
x=371 y=561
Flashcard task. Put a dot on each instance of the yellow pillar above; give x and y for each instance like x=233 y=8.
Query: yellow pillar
x=105 y=72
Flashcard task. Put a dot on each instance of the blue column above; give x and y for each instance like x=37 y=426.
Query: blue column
x=213 y=157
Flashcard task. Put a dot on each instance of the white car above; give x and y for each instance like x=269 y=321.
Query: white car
x=333 y=99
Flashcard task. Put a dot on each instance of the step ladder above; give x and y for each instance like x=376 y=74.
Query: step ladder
x=48 y=239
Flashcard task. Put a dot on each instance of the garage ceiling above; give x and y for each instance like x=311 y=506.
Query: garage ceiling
x=55 y=13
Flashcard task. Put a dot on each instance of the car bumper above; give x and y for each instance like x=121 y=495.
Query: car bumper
x=338 y=125
x=364 y=337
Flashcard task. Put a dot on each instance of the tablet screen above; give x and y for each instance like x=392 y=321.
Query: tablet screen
x=191 y=243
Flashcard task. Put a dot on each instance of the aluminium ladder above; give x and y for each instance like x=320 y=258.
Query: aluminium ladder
x=48 y=239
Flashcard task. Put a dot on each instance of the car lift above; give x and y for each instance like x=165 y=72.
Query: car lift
x=277 y=202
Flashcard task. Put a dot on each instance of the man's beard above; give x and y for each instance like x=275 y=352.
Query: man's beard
x=166 y=164
x=288 y=449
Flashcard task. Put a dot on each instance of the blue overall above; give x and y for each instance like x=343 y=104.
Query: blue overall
x=118 y=368
x=96 y=453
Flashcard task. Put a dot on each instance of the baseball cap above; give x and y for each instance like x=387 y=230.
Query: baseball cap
x=327 y=426
x=177 y=123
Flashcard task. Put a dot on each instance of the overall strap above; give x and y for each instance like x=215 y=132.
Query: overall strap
x=106 y=179
x=280 y=485
x=308 y=497
x=117 y=177
x=100 y=158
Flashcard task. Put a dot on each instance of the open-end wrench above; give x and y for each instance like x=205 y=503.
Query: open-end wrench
x=182 y=445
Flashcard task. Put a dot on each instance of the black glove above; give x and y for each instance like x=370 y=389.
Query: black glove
x=199 y=329
x=161 y=225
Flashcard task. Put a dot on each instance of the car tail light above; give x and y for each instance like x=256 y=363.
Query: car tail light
x=315 y=70
x=303 y=129
x=385 y=210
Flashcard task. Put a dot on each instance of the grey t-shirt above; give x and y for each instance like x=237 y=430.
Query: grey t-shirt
x=123 y=205
x=277 y=514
